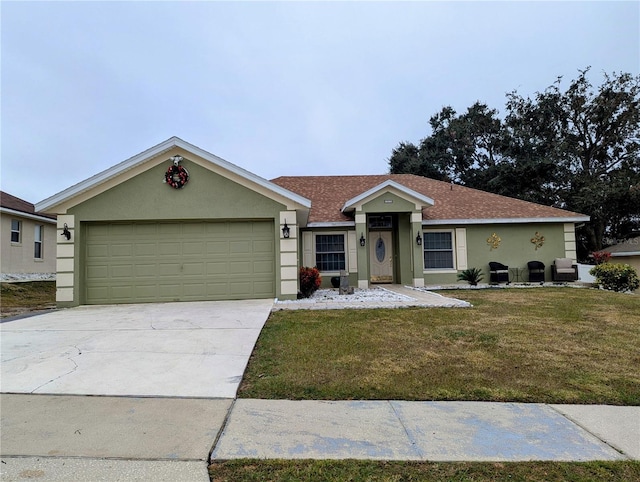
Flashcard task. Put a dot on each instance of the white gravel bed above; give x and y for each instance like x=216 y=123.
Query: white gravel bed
x=372 y=295
x=16 y=277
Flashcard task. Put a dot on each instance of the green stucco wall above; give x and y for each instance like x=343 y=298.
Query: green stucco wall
x=207 y=195
x=515 y=248
x=388 y=203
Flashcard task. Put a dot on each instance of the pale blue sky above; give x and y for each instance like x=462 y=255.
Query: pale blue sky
x=277 y=88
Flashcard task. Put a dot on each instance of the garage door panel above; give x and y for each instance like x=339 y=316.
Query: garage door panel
x=218 y=268
x=150 y=250
x=122 y=271
x=240 y=247
x=176 y=261
x=190 y=269
x=265 y=247
x=121 y=250
x=166 y=229
x=122 y=230
x=98 y=251
x=193 y=248
x=169 y=269
x=95 y=272
x=169 y=249
x=220 y=248
x=263 y=267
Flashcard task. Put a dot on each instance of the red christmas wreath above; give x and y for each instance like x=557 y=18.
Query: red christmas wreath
x=176 y=176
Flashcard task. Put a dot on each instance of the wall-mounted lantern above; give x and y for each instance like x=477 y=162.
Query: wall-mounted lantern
x=65 y=232
x=362 y=240
x=419 y=239
x=285 y=230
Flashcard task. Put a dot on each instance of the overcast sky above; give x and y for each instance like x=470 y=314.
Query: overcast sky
x=277 y=88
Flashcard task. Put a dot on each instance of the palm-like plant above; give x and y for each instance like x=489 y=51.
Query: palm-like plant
x=472 y=276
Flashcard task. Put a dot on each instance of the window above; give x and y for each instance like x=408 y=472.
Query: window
x=380 y=222
x=37 y=244
x=330 y=253
x=438 y=250
x=16 y=231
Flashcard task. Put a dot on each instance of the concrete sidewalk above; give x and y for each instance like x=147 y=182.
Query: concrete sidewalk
x=428 y=431
x=60 y=437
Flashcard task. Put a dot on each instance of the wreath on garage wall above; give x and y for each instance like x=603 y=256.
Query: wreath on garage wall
x=176 y=176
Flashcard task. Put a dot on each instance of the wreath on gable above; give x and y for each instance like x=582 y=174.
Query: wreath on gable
x=176 y=176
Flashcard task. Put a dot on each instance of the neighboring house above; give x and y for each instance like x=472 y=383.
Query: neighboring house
x=626 y=252
x=229 y=234
x=28 y=245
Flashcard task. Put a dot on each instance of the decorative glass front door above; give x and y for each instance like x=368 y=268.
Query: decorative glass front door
x=381 y=257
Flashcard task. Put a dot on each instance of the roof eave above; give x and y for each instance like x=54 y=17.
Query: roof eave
x=568 y=219
x=35 y=217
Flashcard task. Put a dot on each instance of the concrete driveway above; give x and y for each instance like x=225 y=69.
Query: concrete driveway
x=195 y=349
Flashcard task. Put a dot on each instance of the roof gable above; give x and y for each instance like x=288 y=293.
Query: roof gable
x=416 y=198
x=153 y=156
x=451 y=203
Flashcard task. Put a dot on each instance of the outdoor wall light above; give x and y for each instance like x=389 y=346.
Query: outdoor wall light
x=419 y=239
x=362 y=240
x=285 y=230
x=65 y=232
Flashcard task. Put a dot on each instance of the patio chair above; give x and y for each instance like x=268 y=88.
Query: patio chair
x=563 y=269
x=536 y=271
x=498 y=272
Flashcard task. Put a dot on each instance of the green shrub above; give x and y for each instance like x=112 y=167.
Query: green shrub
x=473 y=276
x=310 y=281
x=616 y=277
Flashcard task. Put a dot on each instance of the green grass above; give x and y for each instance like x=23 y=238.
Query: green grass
x=16 y=298
x=353 y=470
x=556 y=345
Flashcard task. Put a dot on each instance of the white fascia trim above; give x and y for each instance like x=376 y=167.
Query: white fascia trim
x=577 y=219
x=243 y=173
x=350 y=204
x=337 y=224
x=21 y=214
x=622 y=254
x=156 y=151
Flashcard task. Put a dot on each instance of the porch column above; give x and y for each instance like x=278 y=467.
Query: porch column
x=65 y=261
x=288 y=256
x=363 y=265
x=418 y=253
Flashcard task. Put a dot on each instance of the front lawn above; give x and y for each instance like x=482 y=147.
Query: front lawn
x=551 y=345
x=18 y=298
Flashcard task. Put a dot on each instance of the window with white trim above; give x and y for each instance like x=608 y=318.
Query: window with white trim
x=438 y=250
x=16 y=231
x=330 y=252
x=37 y=241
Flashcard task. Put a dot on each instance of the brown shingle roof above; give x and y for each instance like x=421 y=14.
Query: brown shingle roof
x=16 y=204
x=328 y=195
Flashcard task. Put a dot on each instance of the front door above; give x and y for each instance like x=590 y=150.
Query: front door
x=381 y=257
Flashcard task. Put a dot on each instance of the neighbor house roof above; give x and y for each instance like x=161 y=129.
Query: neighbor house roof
x=451 y=203
x=628 y=247
x=14 y=205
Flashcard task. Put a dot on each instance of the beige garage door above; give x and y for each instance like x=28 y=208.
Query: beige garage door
x=179 y=261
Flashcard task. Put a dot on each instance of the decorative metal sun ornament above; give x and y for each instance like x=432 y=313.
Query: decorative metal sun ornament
x=537 y=240
x=494 y=241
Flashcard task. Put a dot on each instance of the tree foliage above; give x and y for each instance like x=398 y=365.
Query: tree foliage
x=577 y=148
